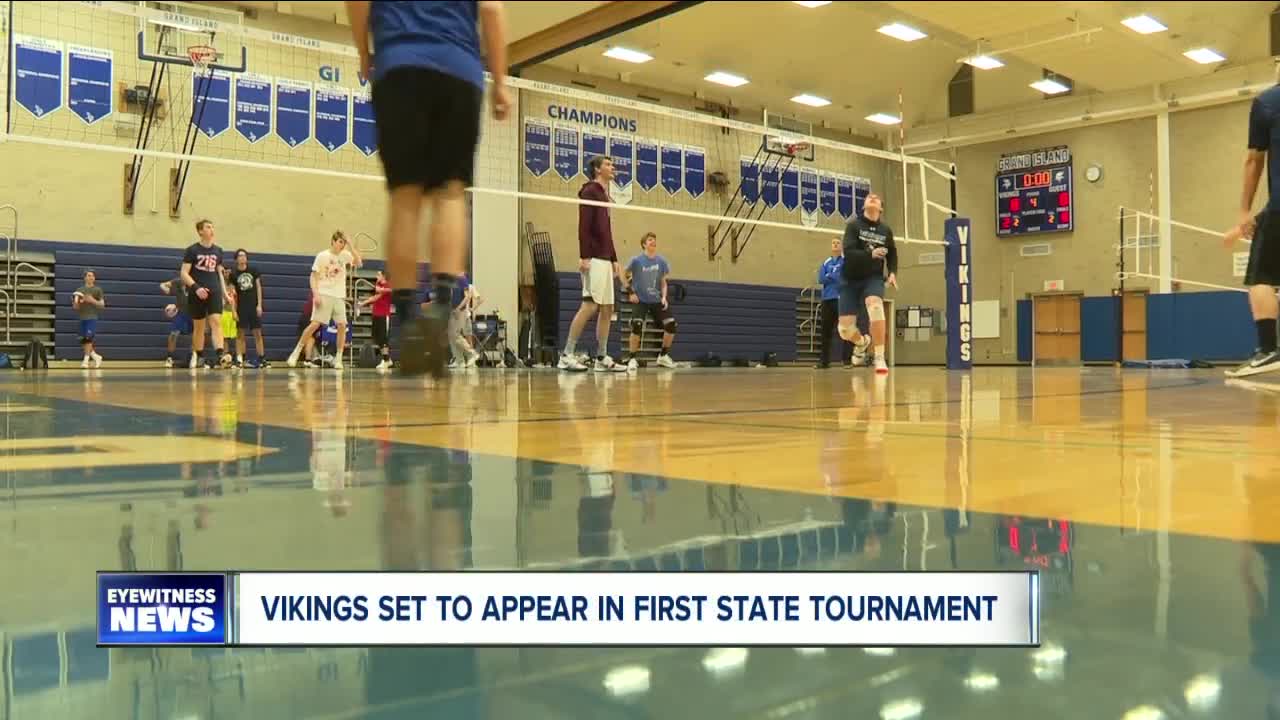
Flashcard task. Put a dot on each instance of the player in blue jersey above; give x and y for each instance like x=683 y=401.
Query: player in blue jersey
x=645 y=281
x=428 y=87
x=830 y=278
x=1263 y=274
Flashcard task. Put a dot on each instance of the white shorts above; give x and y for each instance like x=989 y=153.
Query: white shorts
x=330 y=309
x=597 y=282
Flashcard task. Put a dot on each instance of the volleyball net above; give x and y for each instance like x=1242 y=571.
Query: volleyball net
x=285 y=124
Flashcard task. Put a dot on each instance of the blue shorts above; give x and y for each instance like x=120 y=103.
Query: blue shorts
x=88 y=328
x=181 y=324
x=854 y=293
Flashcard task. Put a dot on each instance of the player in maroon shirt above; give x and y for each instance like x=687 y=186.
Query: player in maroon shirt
x=381 y=302
x=598 y=263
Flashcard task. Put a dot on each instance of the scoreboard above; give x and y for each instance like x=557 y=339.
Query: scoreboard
x=1034 y=192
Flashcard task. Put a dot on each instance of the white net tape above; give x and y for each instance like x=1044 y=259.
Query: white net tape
x=536 y=156
x=1143 y=260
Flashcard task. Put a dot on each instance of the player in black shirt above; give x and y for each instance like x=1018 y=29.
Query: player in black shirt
x=248 y=284
x=206 y=291
x=868 y=250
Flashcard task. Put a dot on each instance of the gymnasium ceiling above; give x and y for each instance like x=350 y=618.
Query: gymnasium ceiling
x=834 y=51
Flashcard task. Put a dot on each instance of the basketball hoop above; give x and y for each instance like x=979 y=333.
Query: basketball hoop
x=202 y=56
x=795 y=148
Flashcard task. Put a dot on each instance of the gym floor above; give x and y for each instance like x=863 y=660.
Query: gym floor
x=1147 y=498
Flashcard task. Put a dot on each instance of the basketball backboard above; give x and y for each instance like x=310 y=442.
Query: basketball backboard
x=784 y=132
x=169 y=32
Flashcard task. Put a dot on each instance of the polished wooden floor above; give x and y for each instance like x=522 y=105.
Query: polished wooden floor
x=1183 y=451
x=1149 y=500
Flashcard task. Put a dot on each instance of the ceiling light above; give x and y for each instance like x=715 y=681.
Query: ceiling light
x=727 y=79
x=627 y=680
x=879 y=651
x=984 y=62
x=1202 y=691
x=1143 y=24
x=1049 y=86
x=811 y=100
x=626 y=55
x=884 y=119
x=1204 y=56
x=1144 y=712
x=981 y=681
x=725 y=661
x=1049 y=654
x=901 y=710
x=902 y=32
x=812 y=3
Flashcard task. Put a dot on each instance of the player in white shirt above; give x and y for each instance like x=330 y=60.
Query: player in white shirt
x=329 y=293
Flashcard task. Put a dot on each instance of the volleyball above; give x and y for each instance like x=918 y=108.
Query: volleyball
x=170 y=310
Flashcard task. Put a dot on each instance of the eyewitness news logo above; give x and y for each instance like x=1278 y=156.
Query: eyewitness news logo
x=163 y=609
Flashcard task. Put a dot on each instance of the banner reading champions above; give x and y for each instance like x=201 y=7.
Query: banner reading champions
x=570 y=608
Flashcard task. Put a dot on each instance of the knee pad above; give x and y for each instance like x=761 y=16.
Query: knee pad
x=875 y=311
x=637 y=325
x=670 y=326
x=846 y=329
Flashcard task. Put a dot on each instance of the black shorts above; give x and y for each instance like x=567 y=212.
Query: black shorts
x=1264 y=252
x=428 y=127
x=200 y=309
x=249 y=318
x=654 y=311
x=382 y=331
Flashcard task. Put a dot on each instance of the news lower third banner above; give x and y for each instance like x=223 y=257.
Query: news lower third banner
x=361 y=609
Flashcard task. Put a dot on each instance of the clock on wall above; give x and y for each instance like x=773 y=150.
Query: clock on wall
x=1093 y=174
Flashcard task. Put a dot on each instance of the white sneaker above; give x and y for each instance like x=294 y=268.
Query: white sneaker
x=633 y=365
x=860 y=351
x=881 y=367
x=384 y=365
x=666 y=361
x=472 y=360
x=337 y=363
x=195 y=361
x=85 y=363
x=97 y=360
x=293 y=359
x=605 y=365
x=571 y=363
x=168 y=362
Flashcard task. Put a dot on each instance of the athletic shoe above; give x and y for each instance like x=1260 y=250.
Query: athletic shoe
x=85 y=363
x=633 y=365
x=337 y=364
x=666 y=361
x=293 y=359
x=821 y=365
x=881 y=367
x=1269 y=388
x=424 y=344
x=860 y=351
x=572 y=363
x=97 y=360
x=607 y=365
x=263 y=363
x=224 y=361
x=384 y=365
x=1260 y=362
x=195 y=361
x=168 y=362
x=237 y=364
x=472 y=360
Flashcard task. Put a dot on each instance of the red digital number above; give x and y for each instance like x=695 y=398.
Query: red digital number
x=1006 y=223
x=1015 y=204
x=1064 y=199
x=1064 y=217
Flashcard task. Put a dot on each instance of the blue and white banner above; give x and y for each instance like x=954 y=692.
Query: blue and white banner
x=646 y=164
x=594 y=144
x=959 y=295
x=790 y=188
x=844 y=196
x=37 y=69
x=567 y=151
x=695 y=170
x=806 y=609
x=333 y=116
x=89 y=82
x=537 y=146
x=293 y=111
x=672 y=168
x=364 y=126
x=622 y=150
x=750 y=172
x=211 y=101
x=827 y=193
x=808 y=197
x=253 y=106
x=769 y=185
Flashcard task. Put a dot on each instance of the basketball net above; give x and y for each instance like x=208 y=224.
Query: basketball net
x=201 y=56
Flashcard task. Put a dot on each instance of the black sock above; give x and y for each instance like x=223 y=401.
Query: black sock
x=663 y=352
x=1266 y=334
x=403 y=300
x=442 y=287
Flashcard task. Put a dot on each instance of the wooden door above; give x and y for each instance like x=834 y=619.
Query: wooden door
x=1057 y=328
x=1134 y=333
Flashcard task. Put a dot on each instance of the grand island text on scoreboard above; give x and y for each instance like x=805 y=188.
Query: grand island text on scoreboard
x=1034 y=192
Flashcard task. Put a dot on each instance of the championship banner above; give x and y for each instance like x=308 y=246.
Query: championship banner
x=362 y=609
x=959 y=295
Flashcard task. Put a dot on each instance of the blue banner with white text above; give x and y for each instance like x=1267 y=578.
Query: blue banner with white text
x=750 y=179
x=211 y=101
x=37 y=69
x=253 y=106
x=567 y=151
x=89 y=82
x=333 y=113
x=537 y=146
x=293 y=111
x=622 y=151
x=672 y=168
x=594 y=144
x=959 y=295
x=646 y=164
